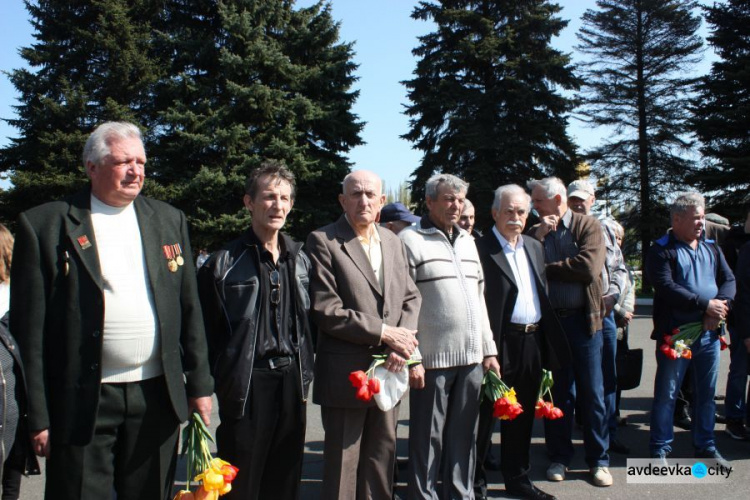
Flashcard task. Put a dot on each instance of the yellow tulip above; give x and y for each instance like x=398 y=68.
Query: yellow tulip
x=204 y=494
x=227 y=488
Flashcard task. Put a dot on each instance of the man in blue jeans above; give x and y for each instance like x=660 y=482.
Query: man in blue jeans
x=692 y=282
x=574 y=256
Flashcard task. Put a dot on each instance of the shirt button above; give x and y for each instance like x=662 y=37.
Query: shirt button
x=94 y=366
x=96 y=333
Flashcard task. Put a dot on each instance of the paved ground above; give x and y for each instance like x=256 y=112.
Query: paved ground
x=635 y=405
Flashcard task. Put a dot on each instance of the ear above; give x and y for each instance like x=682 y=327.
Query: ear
x=90 y=168
x=341 y=201
x=558 y=200
x=248 y=202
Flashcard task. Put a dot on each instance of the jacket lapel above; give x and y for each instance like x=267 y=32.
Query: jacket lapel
x=151 y=240
x=82 y=238
x=498 y=255
x=532 y=263
x=353 y=248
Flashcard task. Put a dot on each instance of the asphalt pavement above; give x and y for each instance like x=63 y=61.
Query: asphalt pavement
x=635 y=405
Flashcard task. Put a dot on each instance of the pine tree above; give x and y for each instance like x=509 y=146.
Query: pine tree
x=638 y=54
x=485 y=101
x=252 y=80
x=722 y=109
x=91 y=63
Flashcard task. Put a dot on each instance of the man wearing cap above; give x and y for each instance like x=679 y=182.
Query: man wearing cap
x=581 y=198
x=396 y=217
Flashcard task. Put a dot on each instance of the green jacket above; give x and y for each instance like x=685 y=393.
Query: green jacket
x=57 y=313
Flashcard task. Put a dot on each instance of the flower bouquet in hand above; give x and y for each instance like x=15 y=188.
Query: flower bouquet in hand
x=546 y=409
x=214 y=474
x=386 y=387
x=677 y=343
x=506 y=405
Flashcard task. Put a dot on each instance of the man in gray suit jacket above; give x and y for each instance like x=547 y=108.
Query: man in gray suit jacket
x=364 y=303
x=105 y=308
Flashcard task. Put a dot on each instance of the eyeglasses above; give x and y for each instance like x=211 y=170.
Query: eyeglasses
x=275 y=287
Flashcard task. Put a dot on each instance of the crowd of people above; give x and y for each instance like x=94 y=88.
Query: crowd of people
x=122 y=336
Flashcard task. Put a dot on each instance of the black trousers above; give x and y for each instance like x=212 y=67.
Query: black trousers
x=133 y=452
x=524 y=374
x=267 y=444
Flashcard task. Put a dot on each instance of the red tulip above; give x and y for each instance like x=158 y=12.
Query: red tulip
x=358 y=378
x=374 y=385
x=364 y=393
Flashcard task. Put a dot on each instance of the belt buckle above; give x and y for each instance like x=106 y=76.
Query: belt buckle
x=271 y=363
x=528 y=328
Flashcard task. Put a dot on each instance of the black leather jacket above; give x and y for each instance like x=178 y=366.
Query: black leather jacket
x=228 y=286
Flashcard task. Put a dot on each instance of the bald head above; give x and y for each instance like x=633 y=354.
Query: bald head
x=362 y=200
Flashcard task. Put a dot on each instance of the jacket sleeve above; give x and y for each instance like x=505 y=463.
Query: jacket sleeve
x=587 y=265
x=327 y=308
x=412 y=298
x=28 y=306
x=213 y=312
x=741 y=310
x=195 y=366
x=725 y=279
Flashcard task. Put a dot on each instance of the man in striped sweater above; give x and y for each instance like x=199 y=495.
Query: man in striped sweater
x=455 y=341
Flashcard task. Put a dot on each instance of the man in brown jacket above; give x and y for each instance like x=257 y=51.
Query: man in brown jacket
x=364 y=304
x=575 y=253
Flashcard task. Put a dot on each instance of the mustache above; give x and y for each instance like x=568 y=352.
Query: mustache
x=514 y=223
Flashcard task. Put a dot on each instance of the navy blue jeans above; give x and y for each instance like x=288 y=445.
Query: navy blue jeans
x=583 y=379
x=669 y=375
x=735 y=402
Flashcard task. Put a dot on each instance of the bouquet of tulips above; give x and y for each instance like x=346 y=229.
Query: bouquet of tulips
x=677 y=343
x=387 y=388
x=506 y=405
x=214 y=474
x=546 y=409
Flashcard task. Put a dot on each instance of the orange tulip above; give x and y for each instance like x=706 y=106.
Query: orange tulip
x=184 y=495
x=204 y=494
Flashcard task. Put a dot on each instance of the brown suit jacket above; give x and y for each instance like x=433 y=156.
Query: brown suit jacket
x=350 y=308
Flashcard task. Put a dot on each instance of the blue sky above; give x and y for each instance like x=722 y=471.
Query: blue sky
x=384 y=36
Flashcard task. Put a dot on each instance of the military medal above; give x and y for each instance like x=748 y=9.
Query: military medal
x=178 y=251
x=169 y=254
x=66 y=265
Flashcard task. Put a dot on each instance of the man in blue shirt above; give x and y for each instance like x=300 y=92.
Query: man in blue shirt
x=692 y=282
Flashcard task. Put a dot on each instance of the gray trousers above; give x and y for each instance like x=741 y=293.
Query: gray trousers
x=443 y=432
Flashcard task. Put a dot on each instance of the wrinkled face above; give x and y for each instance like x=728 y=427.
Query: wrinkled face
x=510 y=218
x=270 y=205
x=688 y=226
x=581 y=206
x=446 y=209
x=467 y=219
x=362 y=198
x=545 y=206
x=119 y=178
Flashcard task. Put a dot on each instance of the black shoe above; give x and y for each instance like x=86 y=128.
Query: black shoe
x=622 y=421
x=721 y=419
x=491 y=463
x=715 y=455
x=528 y=491
x=683 y=422
x=736 y=430
x=618 y=447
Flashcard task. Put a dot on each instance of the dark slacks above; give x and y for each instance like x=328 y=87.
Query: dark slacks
x=133 y=451
x=267 y=443
x=524 y=374
x=359 y=452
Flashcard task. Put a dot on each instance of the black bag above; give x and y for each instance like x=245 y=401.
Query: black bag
x=629 y=363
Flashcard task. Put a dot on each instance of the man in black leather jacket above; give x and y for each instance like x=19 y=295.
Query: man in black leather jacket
x=255 y=302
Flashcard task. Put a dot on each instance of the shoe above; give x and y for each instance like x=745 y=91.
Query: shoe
x=720 y=419
x=683 y=422
x=491 y=463
x=618 y=447
x=528 y=491
x=736 y=430
x=622 y=421
x=714 y=455
x=660 y=460
x=601 y=476
x=556 y=472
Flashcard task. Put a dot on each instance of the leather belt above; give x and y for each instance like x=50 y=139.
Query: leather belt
x=522 y=328
x=566 y=313
x=274 y=363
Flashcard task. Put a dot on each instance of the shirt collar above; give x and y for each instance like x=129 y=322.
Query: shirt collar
x=505 y=243
x=566 y=218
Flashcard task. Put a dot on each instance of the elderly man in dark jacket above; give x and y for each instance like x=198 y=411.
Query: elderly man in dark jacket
x=255 y=304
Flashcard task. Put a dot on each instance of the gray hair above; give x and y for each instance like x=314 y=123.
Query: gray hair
x=453 y=182
x=508 y=190
x=552 y=187
x=686 y=201
x=615 y=226
x=98 y=144
x=467 y=204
